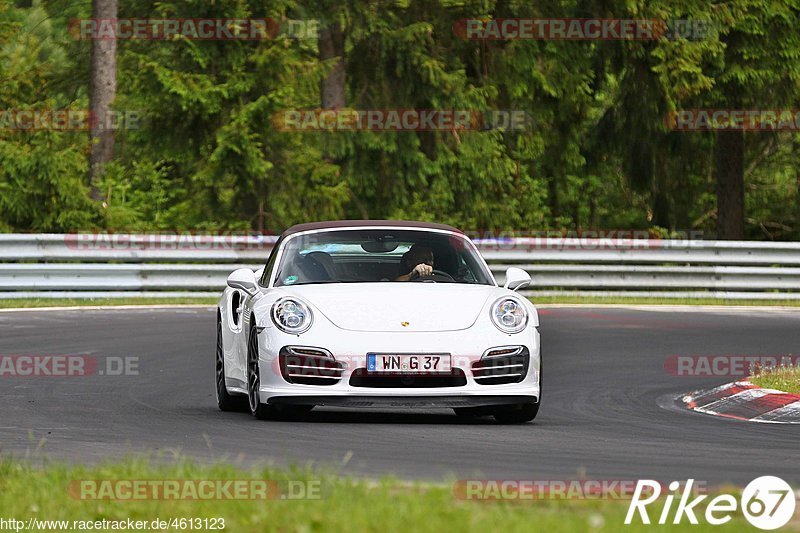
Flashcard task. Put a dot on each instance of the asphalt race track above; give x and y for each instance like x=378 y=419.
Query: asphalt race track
x=600 y=417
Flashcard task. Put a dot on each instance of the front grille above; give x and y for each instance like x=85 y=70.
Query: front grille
x=362 y=378
x=302 y=365
x=502 y=365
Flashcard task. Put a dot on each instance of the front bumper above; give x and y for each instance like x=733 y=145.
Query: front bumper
x=403 y=401
x=350 y=348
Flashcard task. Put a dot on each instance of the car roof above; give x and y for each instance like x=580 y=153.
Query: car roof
x=332 y=224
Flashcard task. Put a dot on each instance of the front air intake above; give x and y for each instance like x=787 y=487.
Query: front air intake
x=361 y=377
x=301 y=365
x=501 y=366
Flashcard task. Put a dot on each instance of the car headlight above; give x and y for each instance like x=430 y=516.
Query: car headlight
x=291 y=316
x=509 y=315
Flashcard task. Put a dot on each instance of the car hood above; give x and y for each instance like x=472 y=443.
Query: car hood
x=397 y=306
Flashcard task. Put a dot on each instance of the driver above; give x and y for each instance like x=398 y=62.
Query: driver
x=416 y=262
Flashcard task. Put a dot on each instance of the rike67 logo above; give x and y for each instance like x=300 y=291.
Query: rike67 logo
x=767 y=502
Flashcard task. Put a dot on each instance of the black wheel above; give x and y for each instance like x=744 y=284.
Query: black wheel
x=225 y=400
x=516 y=414
x=257 y=409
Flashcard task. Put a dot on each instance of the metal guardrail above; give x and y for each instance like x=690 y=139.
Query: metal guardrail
x=157 y=248
x=244 y=248
x=89 y=265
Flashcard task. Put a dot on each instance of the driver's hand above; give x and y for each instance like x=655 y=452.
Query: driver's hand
x=422 y=270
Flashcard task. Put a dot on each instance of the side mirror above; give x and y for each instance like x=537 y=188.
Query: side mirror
x=243 y=279
x=516 y=278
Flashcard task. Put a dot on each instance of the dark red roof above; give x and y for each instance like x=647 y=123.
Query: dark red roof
x=297 y=228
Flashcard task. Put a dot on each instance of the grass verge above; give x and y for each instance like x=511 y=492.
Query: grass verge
x=782 y=378
x=13 y=303
x=344 y=504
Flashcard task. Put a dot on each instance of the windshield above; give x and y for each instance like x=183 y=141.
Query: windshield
x=380 y=255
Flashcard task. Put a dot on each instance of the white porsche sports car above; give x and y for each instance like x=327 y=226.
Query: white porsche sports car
x=377 y=313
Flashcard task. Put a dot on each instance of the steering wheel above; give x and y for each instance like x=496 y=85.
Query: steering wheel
x=441 y=274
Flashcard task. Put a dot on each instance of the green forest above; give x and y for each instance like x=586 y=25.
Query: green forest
x=597 y=152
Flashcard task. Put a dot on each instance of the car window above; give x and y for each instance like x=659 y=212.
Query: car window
x=265 y=277
x=378 y=255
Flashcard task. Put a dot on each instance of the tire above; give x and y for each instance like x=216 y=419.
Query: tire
x=517 y=414
x=225 y=400
x=259 y=410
